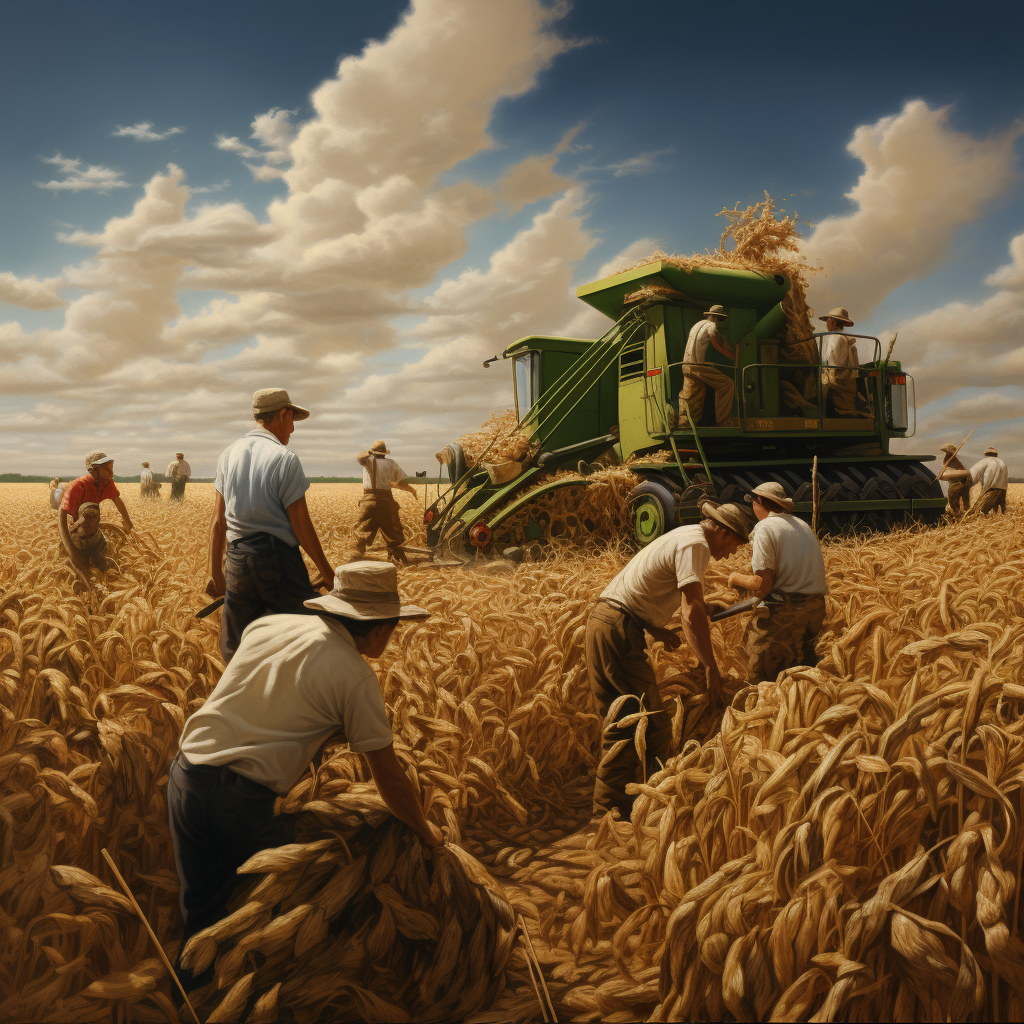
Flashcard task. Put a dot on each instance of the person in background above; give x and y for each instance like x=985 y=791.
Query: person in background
x=148 y=487
x=699 y=374
x=178 y=473
x=56 y=493
x=994 y=478
x=378 y=509
x=296 y=683
x=261 y=519
x=786 y=561
x=96 y=486
x=665 y=577
x=840 y=364
x=959 y=478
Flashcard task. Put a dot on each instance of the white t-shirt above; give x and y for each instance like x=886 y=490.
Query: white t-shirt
x=650 y=583
x=381 y=474
x=179 y=468
x=146 y=476
x=839 y=350
x=991 y=473
x=787 y=545
x=698 y=341
x=294 y=681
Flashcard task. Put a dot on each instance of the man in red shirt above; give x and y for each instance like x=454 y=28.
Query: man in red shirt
x=96 y=486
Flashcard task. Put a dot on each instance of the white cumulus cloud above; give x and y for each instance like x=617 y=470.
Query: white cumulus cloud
x=31 y=292
x=143 y=132
x=81 y=178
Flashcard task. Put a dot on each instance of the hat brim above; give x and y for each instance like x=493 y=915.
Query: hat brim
x=365 y=610
x=721 y=316
x=787 y=503
x=101 y=462
x=838 y=320
x=298 y=413
x=711 y=512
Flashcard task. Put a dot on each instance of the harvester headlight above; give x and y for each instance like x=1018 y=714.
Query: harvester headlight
x=428 y=517
x=480 y=535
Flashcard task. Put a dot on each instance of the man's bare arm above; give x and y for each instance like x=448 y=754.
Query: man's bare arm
x=406 y=486
x=125 y=518
x=218 y=542
x=298 y=516
x=401 y=796
x=697 y=629
x=955 y=474
x=760 y=583
x=719 y=344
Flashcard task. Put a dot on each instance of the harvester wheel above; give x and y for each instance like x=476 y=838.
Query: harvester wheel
x=652 y=509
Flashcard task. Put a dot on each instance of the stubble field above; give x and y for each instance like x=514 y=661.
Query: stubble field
x=842 y=842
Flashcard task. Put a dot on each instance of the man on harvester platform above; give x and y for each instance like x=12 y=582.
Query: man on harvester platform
x=699 y=374
x=378 y=509
x=260 y=516
x=296 y=683
x=840 y=364
x=664 y=577
x=787 y=566
x=959 y=479
x=96 y=486
x=993 y=476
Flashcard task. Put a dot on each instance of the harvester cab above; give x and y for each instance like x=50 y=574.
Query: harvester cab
x=766 y=415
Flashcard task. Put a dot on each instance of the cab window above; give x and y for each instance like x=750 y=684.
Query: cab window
x=526 y=368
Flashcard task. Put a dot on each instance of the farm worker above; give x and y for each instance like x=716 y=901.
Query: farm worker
x=960 y=480
x=840 y=363
x=260 y=515
x=699 y=374
x=786 y=561
x=378 y=509
x=87 y=536
x=993 y=476
x=56 y=493
x=296 y=683
x=178 y=473
x=147 y=485
x=665 y=577
x=96 y=486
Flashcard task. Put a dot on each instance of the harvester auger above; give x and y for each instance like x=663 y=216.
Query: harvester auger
x=578 y=399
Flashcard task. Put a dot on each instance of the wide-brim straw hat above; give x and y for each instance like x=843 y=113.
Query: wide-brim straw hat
x=718 y=311
x=731 y=516
x=773 y=491
x=366 y=590
x=990 y=451
x=271 y=399
x=97 y=458
x=839 y=314
x=377 y=448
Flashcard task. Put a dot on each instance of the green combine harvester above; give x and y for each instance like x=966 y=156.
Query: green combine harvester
x=578 y=399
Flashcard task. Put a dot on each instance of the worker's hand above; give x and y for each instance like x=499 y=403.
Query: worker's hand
x=435 y=835
x=127 y=524
x=320 y=583
x=670 y=639
x=215 y=587
x=735 y=581
x=713 y=678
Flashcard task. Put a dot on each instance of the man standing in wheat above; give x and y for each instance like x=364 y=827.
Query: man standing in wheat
x=993 y=477
x=959 y=479
x=378 y=509
x=178 y=473
x=665 y=577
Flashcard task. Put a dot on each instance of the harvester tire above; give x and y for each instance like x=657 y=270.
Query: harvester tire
x=652 y=511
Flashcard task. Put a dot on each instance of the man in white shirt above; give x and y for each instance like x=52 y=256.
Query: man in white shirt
x=378 y=509
x=665 y=577
x=295 y=683
x=786 y=562
x=178 y=473
x=260 y=520
x=991 y=473
x=56 y=493
x=699 y=374
x=840 y=364
x=148 y=487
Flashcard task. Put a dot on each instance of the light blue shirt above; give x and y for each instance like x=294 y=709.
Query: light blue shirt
x=259 y=477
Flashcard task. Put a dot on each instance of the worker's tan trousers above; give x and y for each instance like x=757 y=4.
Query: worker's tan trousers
x=378 y=510
x=844 y=393
x=994 y=498
x=696 y=381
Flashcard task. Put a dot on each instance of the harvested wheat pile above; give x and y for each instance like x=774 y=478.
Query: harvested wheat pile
x=804 y=854
x=498 y=440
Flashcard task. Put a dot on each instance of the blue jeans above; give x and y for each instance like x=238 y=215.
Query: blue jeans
x=218 y=820
x=263 y=575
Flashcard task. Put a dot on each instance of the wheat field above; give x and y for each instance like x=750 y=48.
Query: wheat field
x=842 y=842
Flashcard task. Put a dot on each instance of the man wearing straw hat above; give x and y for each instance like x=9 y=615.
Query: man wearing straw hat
x=664 y=578
x=296 y=683
x=993 y=476
x=840 y=364
x=699 y=374
x=148 y=487
x=178 y=473
x=959 y=479
x=260 y=520
x=96 y=486
x=786 y=561
x=378 y=509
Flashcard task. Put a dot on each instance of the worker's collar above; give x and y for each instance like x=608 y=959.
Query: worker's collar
x=261 y=431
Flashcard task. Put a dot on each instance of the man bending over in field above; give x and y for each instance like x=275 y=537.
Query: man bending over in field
x=295 y=682
x=666 y=575
x=96 y=486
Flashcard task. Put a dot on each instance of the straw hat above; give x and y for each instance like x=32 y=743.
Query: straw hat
x=271 y=399
x=377 y=448
x=773 y=492
x=718 y=311
x=366 y=590
x=97 y=458
x=179 y=455
x=146 y=464
x=732 y=517
x=839 y=314
x=990 y=450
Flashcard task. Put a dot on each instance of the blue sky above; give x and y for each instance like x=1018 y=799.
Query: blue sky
x=377 y=316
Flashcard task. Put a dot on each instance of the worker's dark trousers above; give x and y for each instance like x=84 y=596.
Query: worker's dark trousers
x=178 y=488
x=218 y=820
x=263 y=575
